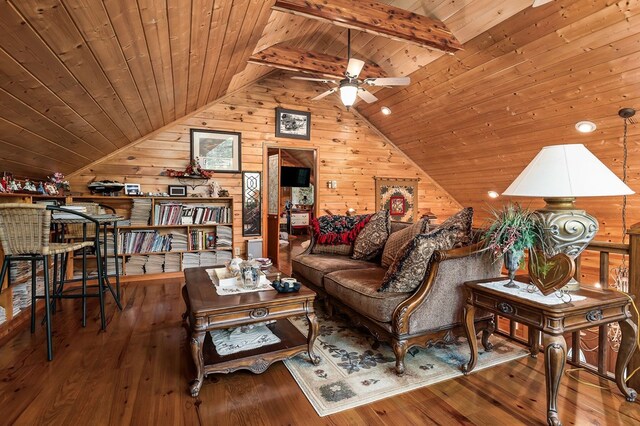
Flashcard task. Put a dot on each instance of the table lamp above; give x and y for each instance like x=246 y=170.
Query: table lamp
x=559 y=174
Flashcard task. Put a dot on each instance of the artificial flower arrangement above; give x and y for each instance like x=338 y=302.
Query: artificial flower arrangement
x=59 y=183
x=512 y=228
x=193 y=169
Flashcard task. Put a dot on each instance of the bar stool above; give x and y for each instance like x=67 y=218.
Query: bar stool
x=24 y=235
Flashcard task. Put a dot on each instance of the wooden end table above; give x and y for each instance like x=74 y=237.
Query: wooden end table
x=553 y=321
x=207 y=311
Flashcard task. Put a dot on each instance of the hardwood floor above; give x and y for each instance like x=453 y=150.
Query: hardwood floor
x=137 y=373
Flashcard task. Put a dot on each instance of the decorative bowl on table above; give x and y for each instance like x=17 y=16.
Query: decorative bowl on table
x=286 y=286
x=265 y=262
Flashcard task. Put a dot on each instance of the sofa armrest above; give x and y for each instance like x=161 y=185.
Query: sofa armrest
x=438 y=301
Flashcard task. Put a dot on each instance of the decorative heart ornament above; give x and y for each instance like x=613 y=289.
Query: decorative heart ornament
x=550 y=273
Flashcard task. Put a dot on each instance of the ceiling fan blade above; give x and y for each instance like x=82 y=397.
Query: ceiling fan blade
x=389 y=81
x=322 y=80
x=537 y=3
x=354 y=67
x=366 y=96
x=327 y=93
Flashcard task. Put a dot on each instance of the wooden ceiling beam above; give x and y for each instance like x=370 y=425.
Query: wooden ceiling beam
x=315 y=63
x=376 y=18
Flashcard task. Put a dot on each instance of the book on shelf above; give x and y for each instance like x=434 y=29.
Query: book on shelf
x=202 y=240
x=144 y=241
x=140 y=212
x=172 y=213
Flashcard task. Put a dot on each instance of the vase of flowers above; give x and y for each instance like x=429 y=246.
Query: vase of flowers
x=512 y=230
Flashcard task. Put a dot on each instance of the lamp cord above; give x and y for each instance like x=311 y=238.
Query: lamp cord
x=624 y=179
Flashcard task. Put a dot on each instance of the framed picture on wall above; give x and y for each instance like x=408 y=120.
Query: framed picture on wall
x=177 y=190
x=132 y=188
x=216 y=151
x=293 y=124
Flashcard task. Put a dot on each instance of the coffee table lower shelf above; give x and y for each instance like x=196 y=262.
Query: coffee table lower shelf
x=292 y=342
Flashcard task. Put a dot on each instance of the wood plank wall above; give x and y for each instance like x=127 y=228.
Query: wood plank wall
x=474 y=120
x=349 y=151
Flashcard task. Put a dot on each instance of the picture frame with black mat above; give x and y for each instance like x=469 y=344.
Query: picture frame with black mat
x=177 y=190
x=293 y=124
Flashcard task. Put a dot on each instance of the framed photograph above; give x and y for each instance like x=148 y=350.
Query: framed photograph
x=293 y=124
x=177 y=190
x=132 y=188
x=396 y=205
x=216 y=151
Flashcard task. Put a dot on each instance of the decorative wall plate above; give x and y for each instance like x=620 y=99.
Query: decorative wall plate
x=550 y=273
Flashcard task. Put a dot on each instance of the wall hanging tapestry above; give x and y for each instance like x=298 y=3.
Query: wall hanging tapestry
x=399 y=196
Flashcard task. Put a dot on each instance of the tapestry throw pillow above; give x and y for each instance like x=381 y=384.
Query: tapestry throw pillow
x=335 y=234
x=399 y=238
x=410 y=266
x=460 y=223
x=370 y=241
x=336 y=229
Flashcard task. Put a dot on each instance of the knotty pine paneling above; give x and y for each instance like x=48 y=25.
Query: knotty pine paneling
x=475 y=119
x=83 y=78
x=348 y=151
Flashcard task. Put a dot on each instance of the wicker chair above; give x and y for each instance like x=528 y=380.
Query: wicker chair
x=24 y=235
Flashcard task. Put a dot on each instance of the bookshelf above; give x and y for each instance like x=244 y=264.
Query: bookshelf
x=160 y=234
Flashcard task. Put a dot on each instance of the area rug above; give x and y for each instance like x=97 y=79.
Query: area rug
x=354 y=372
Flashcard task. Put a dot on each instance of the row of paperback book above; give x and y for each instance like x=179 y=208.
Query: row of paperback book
x=188 y=214
x=144 y=242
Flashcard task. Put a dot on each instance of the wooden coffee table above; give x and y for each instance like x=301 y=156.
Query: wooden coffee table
x=207 y=311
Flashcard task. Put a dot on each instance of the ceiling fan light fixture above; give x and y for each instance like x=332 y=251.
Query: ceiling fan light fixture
x=348 y=93
x=385 y=110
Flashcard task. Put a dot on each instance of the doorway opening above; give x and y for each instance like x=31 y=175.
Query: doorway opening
x=291 y=200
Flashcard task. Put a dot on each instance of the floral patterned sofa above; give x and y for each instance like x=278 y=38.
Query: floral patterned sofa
x=428 y=314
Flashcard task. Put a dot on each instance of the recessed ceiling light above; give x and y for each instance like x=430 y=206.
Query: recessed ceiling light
x=585 y=126
x=493 y=194
x=385 y=110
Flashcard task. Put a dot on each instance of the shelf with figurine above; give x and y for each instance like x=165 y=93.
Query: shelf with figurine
x=56 y=185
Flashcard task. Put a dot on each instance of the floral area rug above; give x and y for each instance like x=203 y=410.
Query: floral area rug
x=353 y=372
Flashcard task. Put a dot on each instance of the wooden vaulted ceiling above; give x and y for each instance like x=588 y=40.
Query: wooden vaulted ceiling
x=82 y=78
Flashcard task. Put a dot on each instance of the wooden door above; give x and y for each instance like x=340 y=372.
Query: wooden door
x=273 y=206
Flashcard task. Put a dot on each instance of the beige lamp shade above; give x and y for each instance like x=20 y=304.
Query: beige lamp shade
x=563 y=171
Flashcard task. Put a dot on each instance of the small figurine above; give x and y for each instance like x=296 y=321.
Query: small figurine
x=223 y=193
x=41 y=189
x=14 y=186
x=51 y=188
x=29 y=186
x=213 y=189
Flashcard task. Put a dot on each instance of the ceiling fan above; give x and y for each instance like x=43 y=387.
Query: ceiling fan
x=350 y=87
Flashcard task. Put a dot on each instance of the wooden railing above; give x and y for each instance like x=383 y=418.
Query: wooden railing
x=605 y=355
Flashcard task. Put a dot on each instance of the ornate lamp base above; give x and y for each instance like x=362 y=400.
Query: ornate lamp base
x=566 y=230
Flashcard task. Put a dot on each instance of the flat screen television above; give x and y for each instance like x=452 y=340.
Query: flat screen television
x=295 y=177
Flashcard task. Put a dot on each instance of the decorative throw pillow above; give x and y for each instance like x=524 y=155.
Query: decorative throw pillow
x=461 y=224
x=399 y=238
x=371 y=239
x=410 y=266
x=336 y=229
